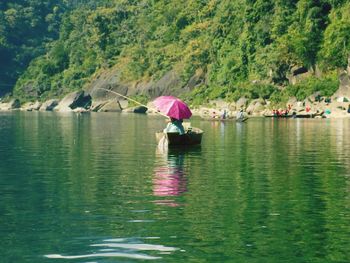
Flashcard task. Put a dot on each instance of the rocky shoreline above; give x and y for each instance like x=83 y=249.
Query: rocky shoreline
x=98 y=98
x=334 y=107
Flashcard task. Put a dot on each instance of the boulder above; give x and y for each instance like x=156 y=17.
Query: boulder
x=74 y=100
x=31 y=106
x=111 y=106
x=292 y=102
x=196 y=80
x=171 y=83
x=344 y=87
x=80 y=110
x=4 y=106
x=256 y=106
x=13 y=104
x=297 y=74
x=137 y=109
x=241 y=103
x=140 y=109
x=49 y=105
x=97 y=105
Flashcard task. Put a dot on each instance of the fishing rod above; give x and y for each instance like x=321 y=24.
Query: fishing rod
x=139 y=103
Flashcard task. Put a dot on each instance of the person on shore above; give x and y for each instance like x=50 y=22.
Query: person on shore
x=224 y=115
x=348 y=111
x=240 y=115
x=174 y=125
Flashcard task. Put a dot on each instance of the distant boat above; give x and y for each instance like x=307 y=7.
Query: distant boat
x=305 y=115
x=192 y=137
x=241 y=119
x=279 y=116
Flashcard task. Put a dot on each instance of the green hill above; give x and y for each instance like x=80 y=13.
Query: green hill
x=245 y=48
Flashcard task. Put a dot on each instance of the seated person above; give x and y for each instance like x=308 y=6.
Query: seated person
x=174 y=125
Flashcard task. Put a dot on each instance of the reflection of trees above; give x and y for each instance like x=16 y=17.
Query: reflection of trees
x=68 y=171
x=272 y=189
x=280 y=185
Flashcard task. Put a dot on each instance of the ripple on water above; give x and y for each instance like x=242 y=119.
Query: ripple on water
x=122 y=248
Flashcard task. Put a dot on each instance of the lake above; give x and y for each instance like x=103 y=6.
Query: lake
x=95 y=188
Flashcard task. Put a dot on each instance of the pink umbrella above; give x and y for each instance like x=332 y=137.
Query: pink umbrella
x=172 y=107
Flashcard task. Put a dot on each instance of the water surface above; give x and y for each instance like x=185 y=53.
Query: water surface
x=95 y=188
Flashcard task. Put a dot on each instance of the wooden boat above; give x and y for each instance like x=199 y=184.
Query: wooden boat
x=280 y=116
x=191 y=137
x=242 y=119
x=217 y=119
x=226 y=119
x=305 y=115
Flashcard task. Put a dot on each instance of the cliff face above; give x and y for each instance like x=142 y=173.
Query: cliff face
x=344 y=84
x=170 y=84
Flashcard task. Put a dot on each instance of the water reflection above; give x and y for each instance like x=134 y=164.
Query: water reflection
x=129 y=248
x=169 y=176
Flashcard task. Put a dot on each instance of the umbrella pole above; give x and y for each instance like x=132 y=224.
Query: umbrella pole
x=125 y=97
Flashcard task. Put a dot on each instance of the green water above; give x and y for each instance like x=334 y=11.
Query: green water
x=95 y=188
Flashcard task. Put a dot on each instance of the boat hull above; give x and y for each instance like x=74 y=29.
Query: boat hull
x=193 y=137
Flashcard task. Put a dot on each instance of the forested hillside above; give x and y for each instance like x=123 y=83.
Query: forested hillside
x=27 y=27
x=244 y=47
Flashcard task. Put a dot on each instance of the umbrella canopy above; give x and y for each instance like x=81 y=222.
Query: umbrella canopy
x=172 y=107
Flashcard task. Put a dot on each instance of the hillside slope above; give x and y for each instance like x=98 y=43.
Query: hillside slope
x=250 y=48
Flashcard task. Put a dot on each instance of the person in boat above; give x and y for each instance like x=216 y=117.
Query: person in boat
x=174 y=125
x=240 y=115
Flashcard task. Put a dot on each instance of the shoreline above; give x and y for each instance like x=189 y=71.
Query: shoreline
x=213 y=109
x=214 y=113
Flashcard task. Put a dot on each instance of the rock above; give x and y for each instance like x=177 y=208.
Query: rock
x=241 y=103
x=292 y=102
x=136 y=109
x=49 y=105
x=256 y=106
x=220 y=104
x=140 y=109
x=74 y=100
x=13 y=104
x=344 y=87
x=111 y=106
x=80 y=110
x=171 y=83
x=196 y=80
x=4 y=106
x=297 y=74
x=31 y=106
x=97 y=105
x=124 y=103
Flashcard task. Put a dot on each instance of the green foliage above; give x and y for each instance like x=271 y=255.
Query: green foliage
x=25 y=28
x=326 y=86
x=141 y=99
x=336 y=46
x=236 y=43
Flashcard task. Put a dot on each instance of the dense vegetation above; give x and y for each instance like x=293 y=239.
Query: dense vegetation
x=244 y=47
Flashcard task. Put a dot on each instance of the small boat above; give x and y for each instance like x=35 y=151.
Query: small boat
x=191 y=137
x=280 y=116
x=301 y=116
x=241 y=119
